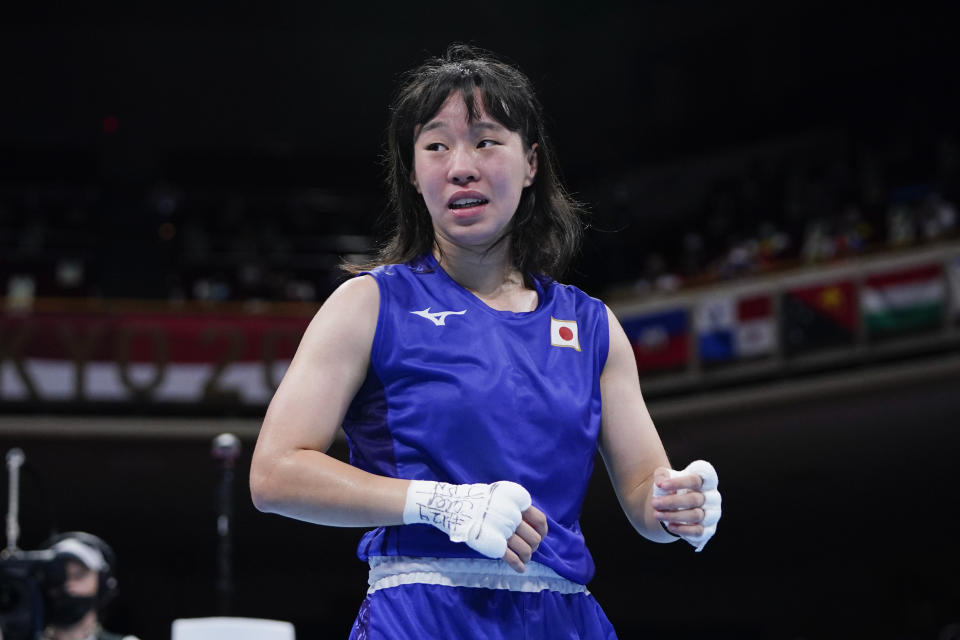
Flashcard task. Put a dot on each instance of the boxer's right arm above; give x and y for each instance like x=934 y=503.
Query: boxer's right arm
x=290 y=474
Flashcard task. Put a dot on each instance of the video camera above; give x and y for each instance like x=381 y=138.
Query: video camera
x=25 y=579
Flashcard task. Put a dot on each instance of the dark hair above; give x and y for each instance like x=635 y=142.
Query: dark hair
x=546 y=229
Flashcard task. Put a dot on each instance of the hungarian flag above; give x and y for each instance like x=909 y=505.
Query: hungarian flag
x=819 y=316
x=660 y=340
x=729 y=329
x=903 y=301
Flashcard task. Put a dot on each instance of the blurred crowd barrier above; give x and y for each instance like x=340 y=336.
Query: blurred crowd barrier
x=861 y=310
x=120 y=352
x=852 y=312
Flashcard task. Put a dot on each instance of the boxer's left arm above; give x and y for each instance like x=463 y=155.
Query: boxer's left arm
x=629 y=442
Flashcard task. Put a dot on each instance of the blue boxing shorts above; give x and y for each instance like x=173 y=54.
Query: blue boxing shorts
x=466 y=598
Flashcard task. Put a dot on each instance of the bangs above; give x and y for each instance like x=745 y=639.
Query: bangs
x=480 y=88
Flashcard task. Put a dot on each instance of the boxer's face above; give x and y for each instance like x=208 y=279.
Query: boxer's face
x=471 y=174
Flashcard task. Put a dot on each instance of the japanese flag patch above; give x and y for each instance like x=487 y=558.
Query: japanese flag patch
x=563 y=333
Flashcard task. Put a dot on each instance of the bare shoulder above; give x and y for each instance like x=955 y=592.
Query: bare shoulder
x=620 y=354
x=611 y=317
x=360 y=293
x=350 y=311
x=326 y=371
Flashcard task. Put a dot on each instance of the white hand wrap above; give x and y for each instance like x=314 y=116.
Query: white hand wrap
x=711 y=504
x=482 y=515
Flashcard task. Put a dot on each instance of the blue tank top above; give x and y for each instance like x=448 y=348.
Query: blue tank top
x=459 y=392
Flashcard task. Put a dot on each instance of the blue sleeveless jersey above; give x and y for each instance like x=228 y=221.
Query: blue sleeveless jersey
x=459 y=392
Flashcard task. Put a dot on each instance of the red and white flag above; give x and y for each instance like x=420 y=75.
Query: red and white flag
x=563 y=333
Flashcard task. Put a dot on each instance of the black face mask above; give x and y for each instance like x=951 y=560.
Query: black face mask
x=66 y=610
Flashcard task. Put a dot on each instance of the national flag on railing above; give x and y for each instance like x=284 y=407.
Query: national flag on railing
x=819 y=316
x=729 y=329
x=659 y=339
x=904 y=301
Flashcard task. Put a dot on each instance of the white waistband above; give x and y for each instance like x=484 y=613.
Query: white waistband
x=393 y=571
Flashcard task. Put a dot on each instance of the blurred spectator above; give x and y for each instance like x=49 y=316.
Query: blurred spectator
x=76 y=595
x=938 y=218
x=74 y=607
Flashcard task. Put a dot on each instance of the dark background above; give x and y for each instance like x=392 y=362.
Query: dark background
x=254 y=99
x=840 y=515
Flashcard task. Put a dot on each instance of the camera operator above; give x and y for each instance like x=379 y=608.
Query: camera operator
x=74 y=601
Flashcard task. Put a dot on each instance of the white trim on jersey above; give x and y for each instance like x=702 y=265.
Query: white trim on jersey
x=481 y=573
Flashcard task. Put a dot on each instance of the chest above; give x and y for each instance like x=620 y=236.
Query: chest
x=462 y=360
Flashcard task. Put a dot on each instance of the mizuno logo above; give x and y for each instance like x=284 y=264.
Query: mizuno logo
x=438 y=318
